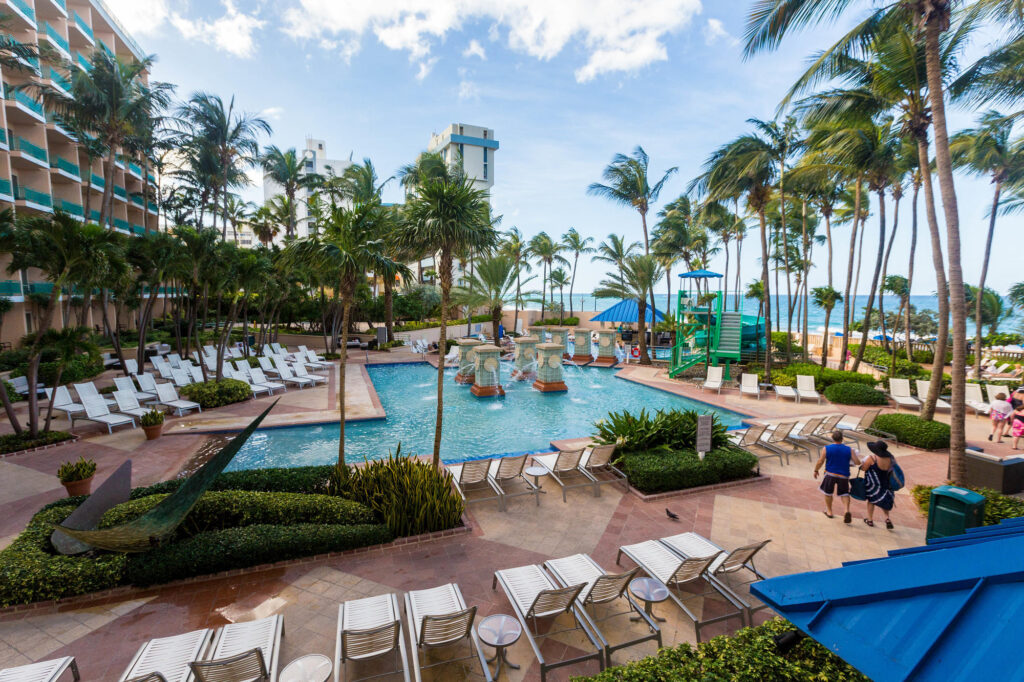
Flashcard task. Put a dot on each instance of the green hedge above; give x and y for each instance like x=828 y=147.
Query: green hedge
x=912 y=430
x=997 y=505
x=223 y=550
x=876 y=355
x=658 y=471
x=749 y=656
x=12 y=442
x=80 y=368
x=823 y=376
x=845 y=393
x=217 y=393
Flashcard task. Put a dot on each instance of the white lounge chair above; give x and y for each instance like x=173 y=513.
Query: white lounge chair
x=316 y=362
x=974 y=400
x=750 y=440
x=167 y=395
x=96 y=411
x=128 y=404
x=182 y=377
x=169 y=656
x=241 y=368
x=62 y=402
x=713 y=381
x=899 y=391
x=690 y=545
x=209 y=350
x=267 y=365
x=127 y=385
x=534 y=595
x=197 y=373
x=88 y=390
x=778 y=440
x=997 y=370
x=146 y=382
x=131 y=366
x=300 y=372
x=255 y=388
x=279 y=349
x=805 y=388
x=243 y=651
x=678 y=575
x=164 y=369
x=258 y=378
x=786 y=392
x=20 y=385
x=923 y=386
x=174 y=359
x=563 y=464
x=452 y=357
x=471 y=476
x=437 y=618
x=602 y=589
x=505 y=471
x=749 y=385
x=597 y=464
x=45 y=671
x=369 y=628
x=860 y=430
x=286 y=375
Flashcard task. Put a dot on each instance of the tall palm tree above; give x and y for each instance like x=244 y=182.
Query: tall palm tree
x=546 y=250
x=492 y=286
x=517 y=249
x=576 y=244
x=988 y=150
x=236 y=213
x=286 y=169
x=359 y=182
x=66 y=344
x=446 y=214
x=639 y=276
x=615 y=250
x=826 y=298
x=673 y=238
x=559 y=278
x=897 y=286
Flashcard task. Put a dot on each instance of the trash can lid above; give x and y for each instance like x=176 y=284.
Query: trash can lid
x=958 y=493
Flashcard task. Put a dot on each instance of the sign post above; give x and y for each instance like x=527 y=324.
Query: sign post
x=704 y=423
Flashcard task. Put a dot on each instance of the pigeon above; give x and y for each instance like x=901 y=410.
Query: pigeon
x=671 y=514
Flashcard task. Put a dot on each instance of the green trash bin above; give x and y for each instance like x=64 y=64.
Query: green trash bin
x=952 y=510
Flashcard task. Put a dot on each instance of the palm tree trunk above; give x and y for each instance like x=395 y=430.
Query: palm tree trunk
x=828 y=242
x=49 y=408
x=519 y=294
x=346 y=307
x=874 y=279
x=739 y=262
x=942 y=291
x=856 y=279
x=389 y=308
x=572 y=282
x=495 y=325
x=825 y=337
x=767 y=297
x=442 y=348
x=641 y=325
x=981 y=280
x=849 y=278
x=108 y=188
x=9 y=409
x=910 y=273
x=885 y=270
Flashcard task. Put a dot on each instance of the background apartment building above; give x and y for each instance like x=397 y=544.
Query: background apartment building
x=314 y=161
x=41 y=165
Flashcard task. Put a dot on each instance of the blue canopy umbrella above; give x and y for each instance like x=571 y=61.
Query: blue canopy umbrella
x=626 y=311
x=699 y=274
x=878 y=337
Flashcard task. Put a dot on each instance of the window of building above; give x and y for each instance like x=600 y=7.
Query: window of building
x=28 y=323
x=485 y=134
x=460 y=130
x=485 y=163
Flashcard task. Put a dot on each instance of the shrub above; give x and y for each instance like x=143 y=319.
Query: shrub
x=152 y=418
x=671 y=429
x=845 y=393
x=217 y=393
x=779 y=340
x=10 y=359
x=409 y=495
x=79 y=368
x=231 y=548
x=12 y=394
x=555 y=322
x=912 y=430
x=69 y=472
x=997 y=505
x=750 y=654
x=825 y=377
x=660 y=470
x=12 y=442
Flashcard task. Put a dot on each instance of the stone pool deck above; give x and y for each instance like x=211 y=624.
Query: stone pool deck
x=785 y=507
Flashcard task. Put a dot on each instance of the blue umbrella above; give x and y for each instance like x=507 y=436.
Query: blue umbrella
x=626 y=311
x=878 y=337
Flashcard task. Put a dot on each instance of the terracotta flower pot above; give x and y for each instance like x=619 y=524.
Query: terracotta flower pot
x=76 y=488
x=153 y=432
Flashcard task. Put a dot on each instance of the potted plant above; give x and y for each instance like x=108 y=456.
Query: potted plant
x=152 y=423
x=77 y=476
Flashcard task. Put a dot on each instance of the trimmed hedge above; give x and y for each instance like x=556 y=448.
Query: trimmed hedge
x=825 y=377
x=912 y=430
x=997 y=505
x=223 y=550
x=750 y=655
x=658 y=471
x=12 y=442
x=845 y=393
x=217 y=393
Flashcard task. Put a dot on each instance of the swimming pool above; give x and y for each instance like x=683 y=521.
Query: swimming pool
x=524 y=420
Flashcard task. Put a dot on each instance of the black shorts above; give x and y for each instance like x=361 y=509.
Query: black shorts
x=835 y=485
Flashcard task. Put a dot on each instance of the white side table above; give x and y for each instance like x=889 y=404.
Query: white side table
x=309 y=668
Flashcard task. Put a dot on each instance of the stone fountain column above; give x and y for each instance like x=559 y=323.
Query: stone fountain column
x=525 y=359
x=467 y=360
x=549 y=368
x=581 y=346
x=560 y=335
x=540 y=333
x=605 y=347
x=487 y=380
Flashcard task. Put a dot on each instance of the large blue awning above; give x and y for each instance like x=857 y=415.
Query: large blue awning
x=699 y=274
x=626 y=311
x=949 y=610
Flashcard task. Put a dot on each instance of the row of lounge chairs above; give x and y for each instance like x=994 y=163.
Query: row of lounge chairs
x=750 y=385
x=127 y=401
x=794 y=438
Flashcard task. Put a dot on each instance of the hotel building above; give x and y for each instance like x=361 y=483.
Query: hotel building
x=314 y=160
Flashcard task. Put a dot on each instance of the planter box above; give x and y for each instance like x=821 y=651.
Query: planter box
x=1005 y=475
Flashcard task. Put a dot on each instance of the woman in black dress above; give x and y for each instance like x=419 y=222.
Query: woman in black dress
x=877 y=469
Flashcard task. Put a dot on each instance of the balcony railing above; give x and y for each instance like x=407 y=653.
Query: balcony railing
x=56 y=37
x=23 y=145
x=67 y=166
x=5 y=187
x=98 y=181
x=10 y=287
x=61 y=4
x=40 y=287
x=83 y=61
x=135 y=168
x=33 y=195
x=152 y=207
x=23 y=98
x=106 y=49
x=121 y=224
x=151 y=177
x=80 y=23
x=72 y=208
x=137 y=200
x=94 y=216
x=60 y=80
x=120 y=192
x=25 y=9
x=3 y=136
x=138 y=229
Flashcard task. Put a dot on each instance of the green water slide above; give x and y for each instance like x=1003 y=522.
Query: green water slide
x=705 y=333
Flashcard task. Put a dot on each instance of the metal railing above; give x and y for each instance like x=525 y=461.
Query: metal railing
x=83 y=61
x=60 y=79
x=152 y=207
x=137 y=200
x=33 y=195
x=25 y=9
x=23 y=145
x=98 y=181
x=120 y=192
x=61 y=41
x=10 y=287
x=5 y=187
x=85 y=28
x=135 y=168
x=65 y=165
x=72 y=208
x=23 y=98
x=121 y=224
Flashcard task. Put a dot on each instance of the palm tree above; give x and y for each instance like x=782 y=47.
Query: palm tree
x=628 y=183
x=988 y=150
x=264 y=224
x=826 y=298
x=66 y=344
x=615 y=250
x=359 y=182
x=516 y=248
x=575 y=243
x=446 y=214
x=346 y=249
x=236 y=212
x=559 y=278
x=286 y=169
x=548 y=252
x=898 y=286
x=673 y=239
x=755 y=292
x=492 y=286
x=639 y=276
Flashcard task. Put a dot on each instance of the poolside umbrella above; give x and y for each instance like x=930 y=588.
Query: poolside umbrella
x=626 y=311
x=878 y=337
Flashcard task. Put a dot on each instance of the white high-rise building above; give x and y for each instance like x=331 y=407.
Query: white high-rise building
x=474 y=145
x=314 y=160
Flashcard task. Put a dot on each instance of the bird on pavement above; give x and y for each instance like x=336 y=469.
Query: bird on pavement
x=671 y=514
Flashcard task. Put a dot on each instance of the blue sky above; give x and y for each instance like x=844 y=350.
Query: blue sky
x=565 y=85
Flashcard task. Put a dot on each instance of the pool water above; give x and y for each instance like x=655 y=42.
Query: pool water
x=525 y=420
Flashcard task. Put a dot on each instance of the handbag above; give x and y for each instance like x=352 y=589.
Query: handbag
x=858 y=487
x=896 y=478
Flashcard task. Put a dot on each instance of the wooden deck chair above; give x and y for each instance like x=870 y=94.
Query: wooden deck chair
x=470 y=476
x=974 y=400
x=169 y=656
x=923 y=386
x=713 y=380
x=603 y=589
x=503 y=472
x=44 y=671
x=243 y=651
x=860 y=430
x=749 y=385
x=563 y=465
x=899 y=391
x=438 y=618
x=778 y=440
x=804 y=435
x=726 y=564
x=679 y=576
x=534 y=595
x=750 y=440
x=369 y=628
x=805 y=388
x=597 y=463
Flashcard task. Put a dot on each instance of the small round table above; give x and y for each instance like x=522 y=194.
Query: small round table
x=536 y=472
x=309 y=668
x=651 y=592
x=500 y=631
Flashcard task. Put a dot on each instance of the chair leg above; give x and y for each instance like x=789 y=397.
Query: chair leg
x=74 y=670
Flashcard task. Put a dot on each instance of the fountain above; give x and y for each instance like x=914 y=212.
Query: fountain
x=525 y=368
x=549 y=368
x=605 y=347
x=581 y=346
x=560 y=335
x=487 y=377
x=467 y=360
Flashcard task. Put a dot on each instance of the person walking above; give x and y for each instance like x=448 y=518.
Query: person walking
x=836 y=458
x=877 y=468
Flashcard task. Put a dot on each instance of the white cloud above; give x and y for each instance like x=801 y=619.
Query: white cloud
x=274 y=113
x=426 y=66
x=468 y=90
x=232 y=32
x=615 y=35
x=140 y=17
x=714 y=31
x=474 y=49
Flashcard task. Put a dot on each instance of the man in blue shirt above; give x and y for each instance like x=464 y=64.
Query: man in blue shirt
x=836 y=458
